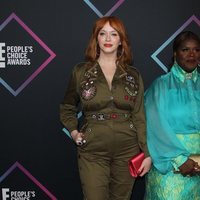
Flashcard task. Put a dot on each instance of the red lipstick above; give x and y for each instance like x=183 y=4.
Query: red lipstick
x=108 y=45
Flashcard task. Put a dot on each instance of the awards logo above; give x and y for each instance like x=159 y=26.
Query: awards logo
x=17 y=183
x=23 y=55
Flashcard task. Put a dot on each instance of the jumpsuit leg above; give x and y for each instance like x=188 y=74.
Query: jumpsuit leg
x=121 y=182
x=95 y=175
x=103 y=162
x=125 y=146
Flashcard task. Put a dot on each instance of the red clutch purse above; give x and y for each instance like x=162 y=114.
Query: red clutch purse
x=134 y=164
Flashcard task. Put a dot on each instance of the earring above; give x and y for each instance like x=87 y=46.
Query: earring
x=175 y=60
x=97 y=51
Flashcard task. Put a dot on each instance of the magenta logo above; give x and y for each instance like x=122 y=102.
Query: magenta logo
x=7 y=192
x=109 y=12
x=23 y=55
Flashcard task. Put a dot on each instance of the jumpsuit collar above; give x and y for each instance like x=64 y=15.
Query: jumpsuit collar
x=95 y=69
x=121 y=71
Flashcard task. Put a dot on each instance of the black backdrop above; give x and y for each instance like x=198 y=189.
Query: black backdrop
x=37 y=158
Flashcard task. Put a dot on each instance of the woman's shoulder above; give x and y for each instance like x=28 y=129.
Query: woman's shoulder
x=132 y=70
x=80 y=66
x=78 y=70
x=162 y=79
x=159 y=84
x=84 y=65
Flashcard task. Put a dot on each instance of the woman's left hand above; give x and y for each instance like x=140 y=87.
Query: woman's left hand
x=145 y=166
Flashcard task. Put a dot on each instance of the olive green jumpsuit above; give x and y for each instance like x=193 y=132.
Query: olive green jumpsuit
x=114 y=128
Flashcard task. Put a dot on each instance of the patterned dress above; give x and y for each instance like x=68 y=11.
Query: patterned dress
x=173 y=133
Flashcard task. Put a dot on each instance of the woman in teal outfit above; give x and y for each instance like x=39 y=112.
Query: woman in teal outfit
x=173 y=125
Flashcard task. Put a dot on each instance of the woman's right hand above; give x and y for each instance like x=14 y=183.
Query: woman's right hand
x=188 y=168
x=77 y=137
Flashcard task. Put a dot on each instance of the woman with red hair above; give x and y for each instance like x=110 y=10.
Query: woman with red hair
x=109 y=92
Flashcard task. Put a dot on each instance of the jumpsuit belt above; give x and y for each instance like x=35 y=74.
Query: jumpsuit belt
x=108 y=116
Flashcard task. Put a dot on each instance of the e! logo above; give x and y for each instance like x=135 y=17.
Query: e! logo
x=2 y=51
x=5 y=194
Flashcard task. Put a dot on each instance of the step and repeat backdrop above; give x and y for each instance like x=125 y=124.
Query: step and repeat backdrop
x=40 y=42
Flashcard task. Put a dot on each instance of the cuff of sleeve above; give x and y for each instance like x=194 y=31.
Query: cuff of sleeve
x=178 y=161
x=71 y=125
x=71 y=128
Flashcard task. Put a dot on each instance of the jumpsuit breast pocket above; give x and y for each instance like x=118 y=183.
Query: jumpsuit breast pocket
x=131 y=89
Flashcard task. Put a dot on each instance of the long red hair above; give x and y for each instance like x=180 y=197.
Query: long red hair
x=124 y=54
